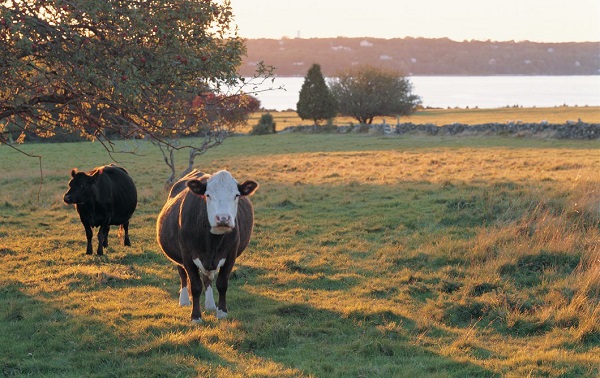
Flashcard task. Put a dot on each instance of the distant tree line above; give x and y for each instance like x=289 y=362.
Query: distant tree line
x=362 y=92
x=423 y=56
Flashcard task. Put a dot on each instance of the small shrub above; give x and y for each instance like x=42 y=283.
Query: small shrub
x=266 y=125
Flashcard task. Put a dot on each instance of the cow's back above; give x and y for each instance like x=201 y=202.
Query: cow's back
x=120 y=185
x=168 y=224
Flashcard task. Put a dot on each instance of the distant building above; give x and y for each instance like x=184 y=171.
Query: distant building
x=341 y=48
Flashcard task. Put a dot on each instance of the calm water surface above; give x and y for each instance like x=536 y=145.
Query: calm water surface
x=469 y=91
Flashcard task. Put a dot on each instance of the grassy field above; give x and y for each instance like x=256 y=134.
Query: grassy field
x=372 y=256
x=440 y=117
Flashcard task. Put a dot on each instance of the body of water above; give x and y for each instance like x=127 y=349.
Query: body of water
x=469 y=91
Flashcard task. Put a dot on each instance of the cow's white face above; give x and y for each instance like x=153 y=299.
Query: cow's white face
x=222 y=193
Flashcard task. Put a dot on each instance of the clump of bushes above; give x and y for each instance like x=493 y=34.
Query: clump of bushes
x=266 y=125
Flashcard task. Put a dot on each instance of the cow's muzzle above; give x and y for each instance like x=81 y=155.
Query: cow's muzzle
x=69 y=200
x=220 y=230
x=222 y=224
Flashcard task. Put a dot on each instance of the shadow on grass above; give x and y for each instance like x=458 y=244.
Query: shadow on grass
x=321 y=342
x=39 y=339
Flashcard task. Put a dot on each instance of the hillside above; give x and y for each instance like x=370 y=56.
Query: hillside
x=421 y=56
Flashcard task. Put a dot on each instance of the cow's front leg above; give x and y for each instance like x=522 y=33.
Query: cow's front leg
x=196 y=286
x=88 y=234
x=222 y=284
x=209 y=300
x=106 y=231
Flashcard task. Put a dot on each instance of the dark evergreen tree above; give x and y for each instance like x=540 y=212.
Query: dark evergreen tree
x=316 y=101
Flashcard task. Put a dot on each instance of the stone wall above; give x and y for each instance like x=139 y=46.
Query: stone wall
x=568 y=130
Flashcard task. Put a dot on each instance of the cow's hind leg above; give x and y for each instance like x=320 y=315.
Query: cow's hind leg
x=88 y=234
x=102 y=239
x=126 y=241
x=209 y=300
x=184 y=296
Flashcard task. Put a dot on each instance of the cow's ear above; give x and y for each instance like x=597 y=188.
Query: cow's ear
x=73 y=172
x=248 y=188
x=197 y=187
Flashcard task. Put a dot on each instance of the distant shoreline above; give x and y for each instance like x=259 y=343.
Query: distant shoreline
x=483 y=92
x=423 y=56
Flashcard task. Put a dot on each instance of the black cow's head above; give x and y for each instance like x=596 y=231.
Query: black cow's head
x=80 y=187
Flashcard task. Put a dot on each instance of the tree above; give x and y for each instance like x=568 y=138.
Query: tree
x=316 y=101
x=117 y=68
x=367 y=92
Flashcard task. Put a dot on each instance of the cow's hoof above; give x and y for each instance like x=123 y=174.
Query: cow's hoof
x=197 y=321
x=210 y=308
x=221 y=314
x=184 y=302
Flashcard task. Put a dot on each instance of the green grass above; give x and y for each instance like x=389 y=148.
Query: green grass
x=372 y=256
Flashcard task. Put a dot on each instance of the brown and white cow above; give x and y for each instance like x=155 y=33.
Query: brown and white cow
x=203 y=227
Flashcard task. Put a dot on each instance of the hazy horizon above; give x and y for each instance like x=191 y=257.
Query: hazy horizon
x=414 y=37
x=511 y=20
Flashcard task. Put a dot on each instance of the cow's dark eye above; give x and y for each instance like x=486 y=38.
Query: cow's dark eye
x=237 y=196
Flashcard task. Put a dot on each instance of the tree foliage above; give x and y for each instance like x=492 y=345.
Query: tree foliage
x=315 y=101
x=366 y=92
x=131 y=68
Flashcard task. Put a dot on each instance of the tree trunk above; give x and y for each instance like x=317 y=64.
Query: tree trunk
x=193 y=153
x=170 y=161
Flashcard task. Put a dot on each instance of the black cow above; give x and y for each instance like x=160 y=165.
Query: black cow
x=103 y=197
x=204 y=226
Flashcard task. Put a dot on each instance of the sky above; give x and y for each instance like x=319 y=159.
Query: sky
x=497 y=20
